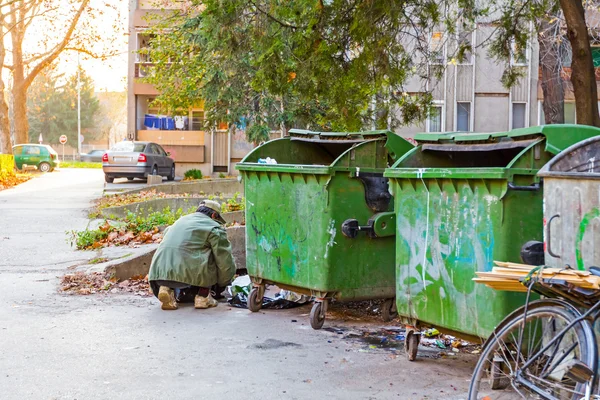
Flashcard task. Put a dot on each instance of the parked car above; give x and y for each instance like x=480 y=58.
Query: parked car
x=93 y=156
x=137 y=160
x=41 y=156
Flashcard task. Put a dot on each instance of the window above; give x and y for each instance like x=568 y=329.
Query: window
x=436 y=48
x=197 y=120
x=463 y=117
x=570 y=116
x=519 y=111
x=434 y=121
x=465 y=42
x=32 y=150
x=596 y=56
x=129 y=147
x=143 y=47
x=518 y=55
x=18 y=150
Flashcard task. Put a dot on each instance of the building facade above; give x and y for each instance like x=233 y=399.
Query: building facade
x=468 y=96
x=181 y=135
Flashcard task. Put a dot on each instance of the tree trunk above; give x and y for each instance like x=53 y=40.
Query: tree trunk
x=5 y=144
x=20 y=113
x=583 y=75
x=551 y=67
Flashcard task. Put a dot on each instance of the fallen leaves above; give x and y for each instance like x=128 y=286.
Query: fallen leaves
x=11 y=181
x=96 y=282
x=125 y=199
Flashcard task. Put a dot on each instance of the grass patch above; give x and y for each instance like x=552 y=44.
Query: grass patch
x=134 y=228
x=80 y=164
x=98 y=260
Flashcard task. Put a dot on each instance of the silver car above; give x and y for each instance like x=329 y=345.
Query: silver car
x=137 y=160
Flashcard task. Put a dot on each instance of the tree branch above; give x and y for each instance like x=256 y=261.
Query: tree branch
x=58 y=49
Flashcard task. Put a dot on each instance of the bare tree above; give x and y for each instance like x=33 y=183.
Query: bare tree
x=37 y=32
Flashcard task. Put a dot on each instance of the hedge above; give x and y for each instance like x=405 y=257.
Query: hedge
x=7 y=166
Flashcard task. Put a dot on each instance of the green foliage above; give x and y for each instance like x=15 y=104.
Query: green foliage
x=222 y=175
x=7 y=167
x=328 y=65
x=87 y=238
x=192 y=174
x=52 y=107
x=137 y=223
x=236 y=203
x=79 y=164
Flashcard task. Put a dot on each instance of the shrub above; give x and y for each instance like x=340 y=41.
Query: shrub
x=7 y=166
x=192 y=174
x=222 y=175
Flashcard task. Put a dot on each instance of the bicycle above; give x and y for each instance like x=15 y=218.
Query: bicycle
x=544 y=350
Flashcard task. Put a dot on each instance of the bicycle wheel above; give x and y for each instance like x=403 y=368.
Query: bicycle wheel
x=495 y=376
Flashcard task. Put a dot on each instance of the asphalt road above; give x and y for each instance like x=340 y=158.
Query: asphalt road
x=56 y=346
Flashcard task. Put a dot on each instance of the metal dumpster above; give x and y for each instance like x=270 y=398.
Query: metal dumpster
x=319 y=222
x=463 y=200
x=572 y=206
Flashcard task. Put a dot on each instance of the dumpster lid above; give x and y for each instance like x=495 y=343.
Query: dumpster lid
x=558 y=137
x=339 y=137
x=581 y=160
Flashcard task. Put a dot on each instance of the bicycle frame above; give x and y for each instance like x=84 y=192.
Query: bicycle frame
x=594 y=313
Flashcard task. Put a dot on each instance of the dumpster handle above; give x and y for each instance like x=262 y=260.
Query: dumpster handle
x=548 y=235
x=530 y=188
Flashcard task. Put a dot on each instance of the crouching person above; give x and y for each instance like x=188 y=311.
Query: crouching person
x=194 y=254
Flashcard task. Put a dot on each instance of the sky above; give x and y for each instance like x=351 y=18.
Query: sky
x=110 y=74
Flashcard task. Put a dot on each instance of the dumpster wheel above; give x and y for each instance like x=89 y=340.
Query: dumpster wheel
x=388 y=310
x=255 y=299
x=411 y=344
x=317 y=314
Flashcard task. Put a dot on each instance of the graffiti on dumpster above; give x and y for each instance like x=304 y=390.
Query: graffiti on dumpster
x=274 y=239
x=460 y=239
x=586 y=222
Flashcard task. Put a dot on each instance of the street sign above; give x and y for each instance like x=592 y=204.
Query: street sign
x=81 y=138
x=62 y=139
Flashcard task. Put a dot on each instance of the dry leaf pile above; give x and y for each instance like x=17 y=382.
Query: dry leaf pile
x=96 y=282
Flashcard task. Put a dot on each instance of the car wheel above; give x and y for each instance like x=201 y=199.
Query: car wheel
x=44 y=167
x=171 y=176
x=109 y=179
x=154 y=170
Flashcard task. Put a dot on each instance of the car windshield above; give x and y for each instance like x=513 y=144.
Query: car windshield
x=51 y=150
x=129 y=146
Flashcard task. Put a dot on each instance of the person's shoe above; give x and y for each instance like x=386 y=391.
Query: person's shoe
x=167 y=298
x=204 y=302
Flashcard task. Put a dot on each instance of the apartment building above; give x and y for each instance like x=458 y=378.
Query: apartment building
x=468 y=96
x=182 y=135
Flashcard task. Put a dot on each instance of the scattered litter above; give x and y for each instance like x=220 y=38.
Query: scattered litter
x=454 y=349
x=267 y=160
x=274 y=297
x=431 y=332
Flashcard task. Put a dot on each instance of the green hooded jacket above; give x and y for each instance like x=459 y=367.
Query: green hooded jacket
x=195 y=250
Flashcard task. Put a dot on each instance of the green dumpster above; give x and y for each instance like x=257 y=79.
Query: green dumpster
x=320 y=221
x=463 y=200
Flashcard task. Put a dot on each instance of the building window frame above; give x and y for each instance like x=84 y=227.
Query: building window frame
x=516 y=59
x=471 y=35
x=440 y=105
x=437 y=37
x=469 y=117
x=541 y=111
x=512 y=113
